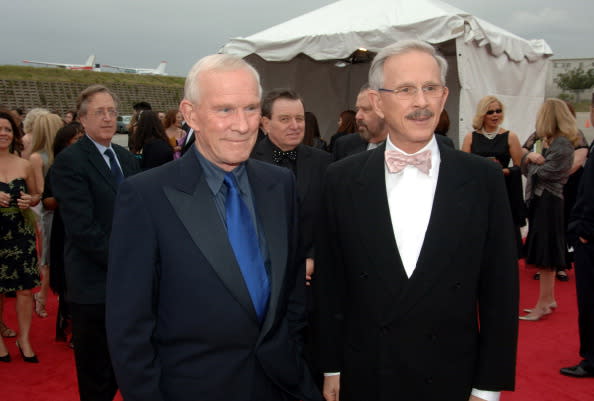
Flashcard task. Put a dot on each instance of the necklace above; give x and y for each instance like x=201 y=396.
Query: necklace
x=490 y=135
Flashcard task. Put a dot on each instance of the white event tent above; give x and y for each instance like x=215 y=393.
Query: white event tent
x=305 y=54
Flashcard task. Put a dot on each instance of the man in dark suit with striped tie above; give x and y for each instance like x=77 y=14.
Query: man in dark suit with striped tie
x=85 y=178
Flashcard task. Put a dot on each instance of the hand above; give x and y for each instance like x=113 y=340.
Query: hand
x=505 y=171
x=4 y=199
x=535 y=158
x=494 y=159
x=309 y=270
x=331 y=388
x=583 y=240
x=24 y=202
x=474 y=398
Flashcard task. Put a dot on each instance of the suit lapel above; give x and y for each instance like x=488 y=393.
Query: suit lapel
x=450 y=209
x=304 y=170
x=97 y=161
x=371 y=192
x=271 y=213
x=193 y=202
x=126 y=162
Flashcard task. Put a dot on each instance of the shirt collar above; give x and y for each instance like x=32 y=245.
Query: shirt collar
x=215 y=175
x=100 y=148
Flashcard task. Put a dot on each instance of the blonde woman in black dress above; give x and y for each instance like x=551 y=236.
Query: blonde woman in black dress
x=502 y=146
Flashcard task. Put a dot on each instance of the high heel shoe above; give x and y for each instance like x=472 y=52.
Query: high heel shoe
x=551 y=306
x=30 y=359
x=535 y=316
x=39 y=306
x=5 y=358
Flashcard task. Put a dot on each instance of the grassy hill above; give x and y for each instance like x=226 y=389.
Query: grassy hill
x=57 y=89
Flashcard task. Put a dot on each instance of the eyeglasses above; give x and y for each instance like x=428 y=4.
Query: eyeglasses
x=99 y=113
x=408 y=92
x=489 y=112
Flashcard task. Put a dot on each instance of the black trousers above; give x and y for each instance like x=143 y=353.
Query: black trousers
x=96 y=380
x=584 y=283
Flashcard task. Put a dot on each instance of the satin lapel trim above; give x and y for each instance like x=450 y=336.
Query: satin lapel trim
x=372 y=210
x=97 y=160
x=450 y=212
x=271 y=211
x=200 y=217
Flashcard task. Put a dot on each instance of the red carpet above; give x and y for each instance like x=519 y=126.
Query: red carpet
x=544 y=347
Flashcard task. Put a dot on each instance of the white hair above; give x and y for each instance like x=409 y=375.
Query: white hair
x=215 y=62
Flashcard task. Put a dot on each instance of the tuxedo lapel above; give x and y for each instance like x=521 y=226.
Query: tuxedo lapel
x=450 y=211
x=193 y=202
x=304 y=170
x=271 y=211
x=372 y=210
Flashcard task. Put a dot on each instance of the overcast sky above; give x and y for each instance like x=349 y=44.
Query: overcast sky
x=140 y=34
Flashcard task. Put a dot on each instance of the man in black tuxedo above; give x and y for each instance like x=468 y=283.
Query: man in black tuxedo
x=207 y=302
x=372 y=129
x=581 y=234
x=283 y=121
x=85 y=179
x=416 y=272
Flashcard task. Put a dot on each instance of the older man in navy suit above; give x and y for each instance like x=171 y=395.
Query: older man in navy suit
x=207 y=302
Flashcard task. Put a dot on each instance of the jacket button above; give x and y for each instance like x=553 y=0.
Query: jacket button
x=429 y=380
x=363 y=275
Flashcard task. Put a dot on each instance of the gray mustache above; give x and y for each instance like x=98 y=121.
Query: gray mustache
x=421 y=113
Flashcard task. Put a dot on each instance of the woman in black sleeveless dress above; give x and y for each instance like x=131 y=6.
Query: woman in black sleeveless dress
x=501 y=146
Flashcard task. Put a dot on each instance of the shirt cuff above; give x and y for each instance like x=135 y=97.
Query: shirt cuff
x=486 y=395
x=331 y=374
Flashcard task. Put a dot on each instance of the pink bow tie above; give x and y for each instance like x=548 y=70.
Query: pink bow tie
x=396 y=161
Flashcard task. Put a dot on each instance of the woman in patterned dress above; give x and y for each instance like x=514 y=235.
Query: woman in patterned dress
x=18 y=256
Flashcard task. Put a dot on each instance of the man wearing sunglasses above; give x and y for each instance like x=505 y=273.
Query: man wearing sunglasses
x=418 y=290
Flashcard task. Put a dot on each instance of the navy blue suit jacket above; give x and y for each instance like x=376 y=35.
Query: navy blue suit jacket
x=180 y=321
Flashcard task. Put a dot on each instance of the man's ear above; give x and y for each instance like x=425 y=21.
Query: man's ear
x=188 y=110
x=376 y=102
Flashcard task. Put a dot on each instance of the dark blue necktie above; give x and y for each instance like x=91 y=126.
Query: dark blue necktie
x=244 y=241
x=118 y=176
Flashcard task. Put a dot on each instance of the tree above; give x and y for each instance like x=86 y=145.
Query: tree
x=575 y=80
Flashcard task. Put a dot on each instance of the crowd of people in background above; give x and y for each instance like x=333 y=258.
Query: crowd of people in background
x=59 y=180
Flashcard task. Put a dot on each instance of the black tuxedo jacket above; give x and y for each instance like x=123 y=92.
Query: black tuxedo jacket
x=83 y=185
x=348 y=145
x=311 y=166
x=180 y=321
x=451 y=326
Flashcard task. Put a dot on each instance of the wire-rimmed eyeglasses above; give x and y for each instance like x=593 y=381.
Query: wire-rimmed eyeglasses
x=408 y=92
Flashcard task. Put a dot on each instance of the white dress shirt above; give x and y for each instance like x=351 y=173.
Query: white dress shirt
x=410 y=199
x=102 y=149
